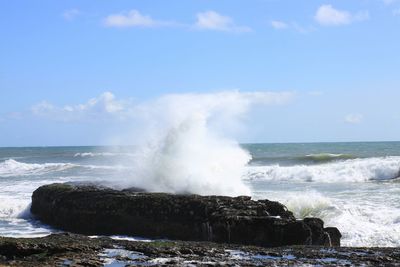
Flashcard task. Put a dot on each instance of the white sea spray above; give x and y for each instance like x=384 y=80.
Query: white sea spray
x=185 y=146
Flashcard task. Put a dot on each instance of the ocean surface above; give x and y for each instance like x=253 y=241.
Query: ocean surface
x=352 y=186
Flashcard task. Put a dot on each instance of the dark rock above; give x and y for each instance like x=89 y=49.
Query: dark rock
x=103 y=211
x=317 y=231
x=334 y=236
x=77 y=250
x=134 y=190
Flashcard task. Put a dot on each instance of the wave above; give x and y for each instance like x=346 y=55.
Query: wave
x=107 y=167
x=12 y=167
x=362 y=221
x=92 y=154
x=17 y=221
x=318 y=158
x=311 y=204
x=354 y=170
x=13 y=208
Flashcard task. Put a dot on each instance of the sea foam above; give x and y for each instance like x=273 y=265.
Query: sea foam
x=12 y=167
x=354 y=170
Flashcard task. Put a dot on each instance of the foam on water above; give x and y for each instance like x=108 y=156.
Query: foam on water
x=15 y=216
x=355 y=170
x=15 y=196
x=311 y=204
x=368 y=224
x=12 y=207
x=15 y=199
x=366 y=217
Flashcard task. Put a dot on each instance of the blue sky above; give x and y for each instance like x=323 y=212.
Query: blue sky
x=339 y=59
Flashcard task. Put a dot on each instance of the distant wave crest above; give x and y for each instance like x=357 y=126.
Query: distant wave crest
x=326 y=157
x=12 y=167
x=318 y=158
x=353 y=170
x=92 y=154
x=101 y=154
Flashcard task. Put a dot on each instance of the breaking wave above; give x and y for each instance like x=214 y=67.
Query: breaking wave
x=319 y=158
x=361 y=221
x=312 y=204
x=13 y=208
x=354 y=170
x=12 y=167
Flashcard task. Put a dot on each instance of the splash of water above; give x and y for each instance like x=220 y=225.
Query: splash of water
x=184 y=147
x=191 y=159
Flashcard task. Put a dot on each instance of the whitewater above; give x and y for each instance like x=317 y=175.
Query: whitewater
x=359 y=194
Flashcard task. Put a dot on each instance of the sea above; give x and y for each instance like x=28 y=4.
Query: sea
x=352 y=186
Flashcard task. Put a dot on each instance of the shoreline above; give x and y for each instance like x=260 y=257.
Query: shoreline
x=80 y=202
x=68 y=249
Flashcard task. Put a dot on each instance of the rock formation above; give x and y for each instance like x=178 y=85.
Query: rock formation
x=92 y=210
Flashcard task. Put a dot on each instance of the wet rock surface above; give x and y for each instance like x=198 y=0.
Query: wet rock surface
x=96 y=210
x=77 y=250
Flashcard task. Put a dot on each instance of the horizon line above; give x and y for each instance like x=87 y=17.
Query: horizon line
x=244 y=143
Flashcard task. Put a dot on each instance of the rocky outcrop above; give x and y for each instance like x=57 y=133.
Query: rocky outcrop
x=77 y=250
x=104 y=211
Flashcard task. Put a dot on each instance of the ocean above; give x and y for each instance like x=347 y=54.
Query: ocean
x=351 y=186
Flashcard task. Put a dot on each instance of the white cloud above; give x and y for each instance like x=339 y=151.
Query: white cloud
x=354 y=118
x=211 y=20
x=279 y=25
x=133 y=18
x=71 y=14
x=107 y=106
x=42 y=107
x=327 y=15
x=99 y=107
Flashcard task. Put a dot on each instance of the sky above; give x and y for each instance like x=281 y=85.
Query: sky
x=71 y=71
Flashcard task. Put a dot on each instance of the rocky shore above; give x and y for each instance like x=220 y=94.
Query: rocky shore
x=200 y=231
x=78 y=250
x=93 y=210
